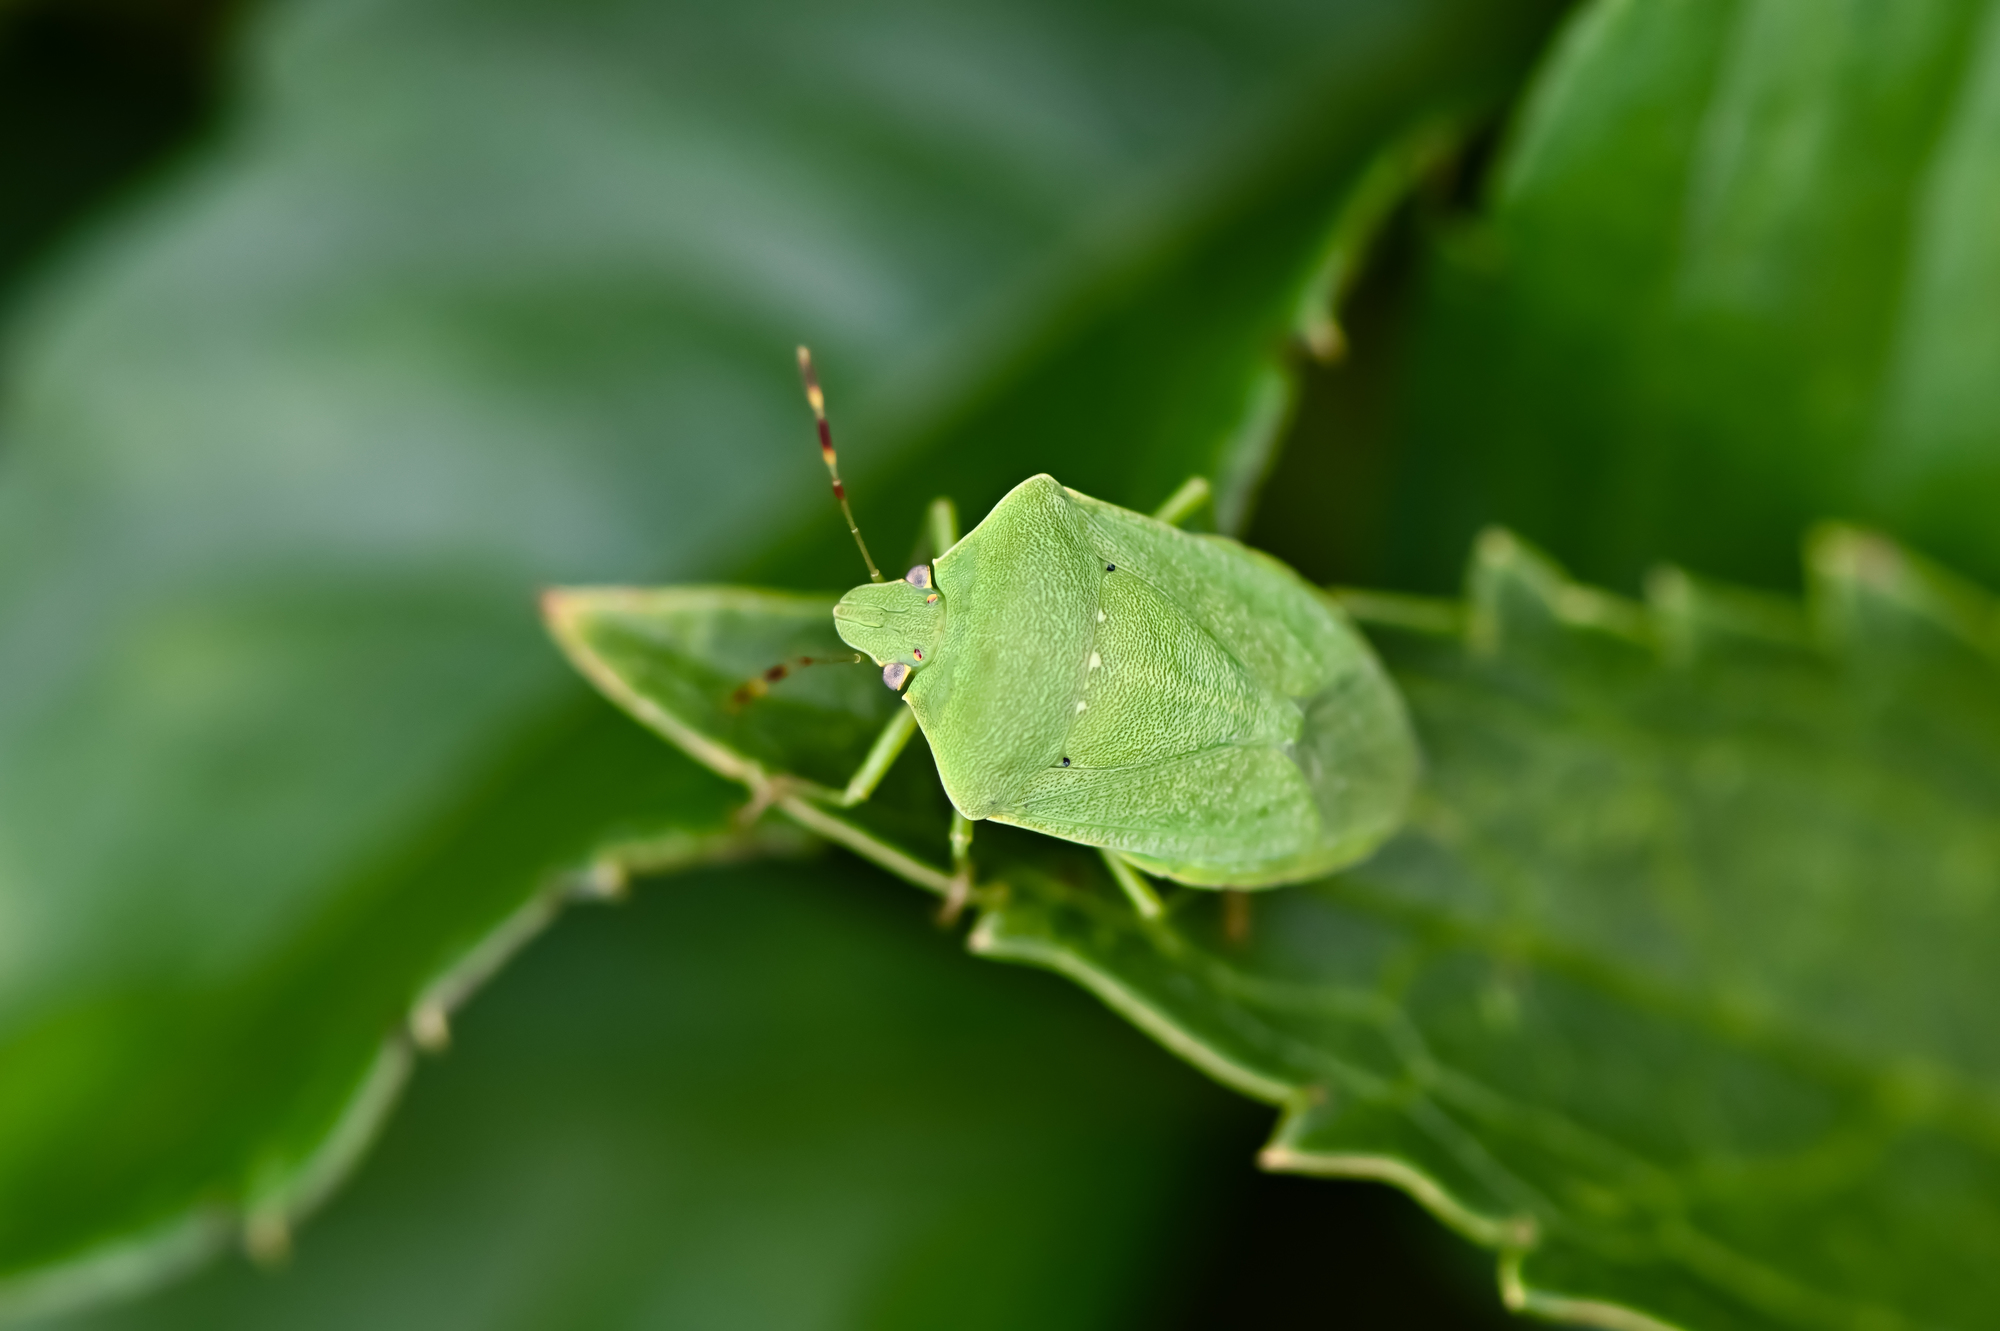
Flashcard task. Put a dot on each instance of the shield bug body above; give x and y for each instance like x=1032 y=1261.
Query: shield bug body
x=1190 y=704
x=1187 y=705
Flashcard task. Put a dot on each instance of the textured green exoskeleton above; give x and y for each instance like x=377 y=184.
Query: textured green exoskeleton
x=1181 y=700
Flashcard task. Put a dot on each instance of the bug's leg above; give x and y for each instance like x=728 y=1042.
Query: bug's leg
x=1236 y=917
x=764 y=793
x=882 y=755
x=813 y=816
x=941 y=525
x=1133 y=883
x=960 y=890
x=1182 y=503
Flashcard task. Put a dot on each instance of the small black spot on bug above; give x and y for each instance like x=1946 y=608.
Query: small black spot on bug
x=1111 y=568
x=1065 y=762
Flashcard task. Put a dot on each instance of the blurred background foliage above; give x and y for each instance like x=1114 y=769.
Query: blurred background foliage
x=1734 y=276
x=339 y=328
x=335 y=328
x=769 y=1098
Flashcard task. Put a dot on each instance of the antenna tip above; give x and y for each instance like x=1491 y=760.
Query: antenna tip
x=813 y=396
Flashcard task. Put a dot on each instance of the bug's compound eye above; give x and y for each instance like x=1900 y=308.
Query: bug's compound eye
x=920 y=576
x=894 y=674
x=917 y=652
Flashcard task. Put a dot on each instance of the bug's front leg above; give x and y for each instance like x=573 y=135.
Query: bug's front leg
x=881 y=757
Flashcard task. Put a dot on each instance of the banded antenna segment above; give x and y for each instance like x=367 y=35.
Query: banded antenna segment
x=817 y=400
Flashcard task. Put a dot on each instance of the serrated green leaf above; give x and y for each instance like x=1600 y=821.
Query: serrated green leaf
x=1674 y=989
x=470 y=300
x=1677 y=988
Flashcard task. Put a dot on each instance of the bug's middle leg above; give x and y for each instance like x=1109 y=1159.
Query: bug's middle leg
x=1133 y=884
x=1182 y=503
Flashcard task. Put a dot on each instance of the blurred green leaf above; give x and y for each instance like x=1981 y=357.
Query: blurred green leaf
x=1737 y=275
x=473 y=299
x=1676 y=989
x=718 y=1106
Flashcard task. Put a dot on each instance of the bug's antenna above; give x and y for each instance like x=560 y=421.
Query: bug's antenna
x=753 y=689
x=818 y=401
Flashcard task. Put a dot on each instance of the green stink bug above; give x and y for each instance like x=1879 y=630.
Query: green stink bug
x=1190 y=707
x=1187 y=704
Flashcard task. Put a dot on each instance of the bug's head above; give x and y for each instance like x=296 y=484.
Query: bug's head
x=899 y=624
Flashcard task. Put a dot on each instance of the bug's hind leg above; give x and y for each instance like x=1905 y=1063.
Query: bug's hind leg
x=1183 y=503
x=960 y=890
x=1133 y=883
x=1236 y=917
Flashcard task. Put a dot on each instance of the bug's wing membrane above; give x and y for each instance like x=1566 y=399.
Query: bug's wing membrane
x=1236 y=816
x=1357 y=753
x=1255 y=814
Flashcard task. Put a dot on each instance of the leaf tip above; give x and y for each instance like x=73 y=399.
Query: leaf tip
x=554 y=604
x=1278 y=1160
